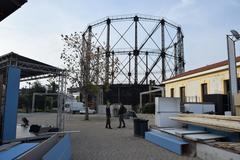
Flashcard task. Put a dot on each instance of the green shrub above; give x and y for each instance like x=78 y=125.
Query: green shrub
x=135 y=108
x=149 y=108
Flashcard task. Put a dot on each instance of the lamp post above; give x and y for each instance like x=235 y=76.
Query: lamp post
x=231 y=39
x=28 y=106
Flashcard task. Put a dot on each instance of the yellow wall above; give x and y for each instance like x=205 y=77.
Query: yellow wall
x=215 y=84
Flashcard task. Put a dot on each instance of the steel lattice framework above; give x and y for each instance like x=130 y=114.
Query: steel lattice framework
x=147 y=48
x=30 y=69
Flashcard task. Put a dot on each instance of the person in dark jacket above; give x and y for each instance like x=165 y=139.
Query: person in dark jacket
x=108 y=116
x=121 y=112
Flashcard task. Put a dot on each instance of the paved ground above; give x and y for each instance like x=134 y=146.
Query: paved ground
x=94 y=142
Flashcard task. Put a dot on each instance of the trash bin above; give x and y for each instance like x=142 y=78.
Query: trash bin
x=140 y=127
x=143 y=127
x=136 y=127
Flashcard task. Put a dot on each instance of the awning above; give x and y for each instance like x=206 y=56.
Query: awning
x=7 y=7
x=30 y=69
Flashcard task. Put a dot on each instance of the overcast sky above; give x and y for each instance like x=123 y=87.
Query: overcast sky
x=34 y=30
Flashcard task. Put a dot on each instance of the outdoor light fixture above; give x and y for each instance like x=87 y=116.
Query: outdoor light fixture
x=231 y=39
x=235 y=34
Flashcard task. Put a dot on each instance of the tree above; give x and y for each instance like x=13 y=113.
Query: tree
x=52 y=87
x=37 y=87
x=25 y=99
x=85 y=64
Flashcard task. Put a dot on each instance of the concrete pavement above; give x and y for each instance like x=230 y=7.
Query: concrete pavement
x=95 y=142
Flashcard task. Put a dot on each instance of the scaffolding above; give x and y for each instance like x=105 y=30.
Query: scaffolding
x=13 y=69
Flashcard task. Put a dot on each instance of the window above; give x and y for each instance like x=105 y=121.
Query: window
x=227 y=86
x=182 y=94
x=172 y=92
x=204 y=89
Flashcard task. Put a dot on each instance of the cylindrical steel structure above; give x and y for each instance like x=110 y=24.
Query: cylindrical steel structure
x=130 y=38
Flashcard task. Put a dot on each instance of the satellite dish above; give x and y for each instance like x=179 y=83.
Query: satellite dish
x=235 y=34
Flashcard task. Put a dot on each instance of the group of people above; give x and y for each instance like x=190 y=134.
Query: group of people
x=121 y=112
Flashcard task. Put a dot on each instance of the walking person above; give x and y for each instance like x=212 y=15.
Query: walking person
x=121 y=112
x=108 y=116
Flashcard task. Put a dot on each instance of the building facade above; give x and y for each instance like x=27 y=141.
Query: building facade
x=192 y=85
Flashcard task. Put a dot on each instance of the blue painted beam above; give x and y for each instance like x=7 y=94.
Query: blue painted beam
x=11 y=104
x=166 y=141
x=16 y=151
x=61 y=151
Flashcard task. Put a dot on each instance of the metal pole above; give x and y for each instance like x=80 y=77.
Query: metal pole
x=58 y=103
x=113 y=67
x=88 y=53
x=150 y=95
x=136 y=51
x=33 y=103
x=163 y=54
x=65 y=95
x=182 y=54
x=97 y=68
x=179 y=55
x=232 y=72
x=140 y=105
x=175 y=59
x=60 y=109
x=146 y=73
x=129 y=68
x=97 y=78
x=107 y=51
